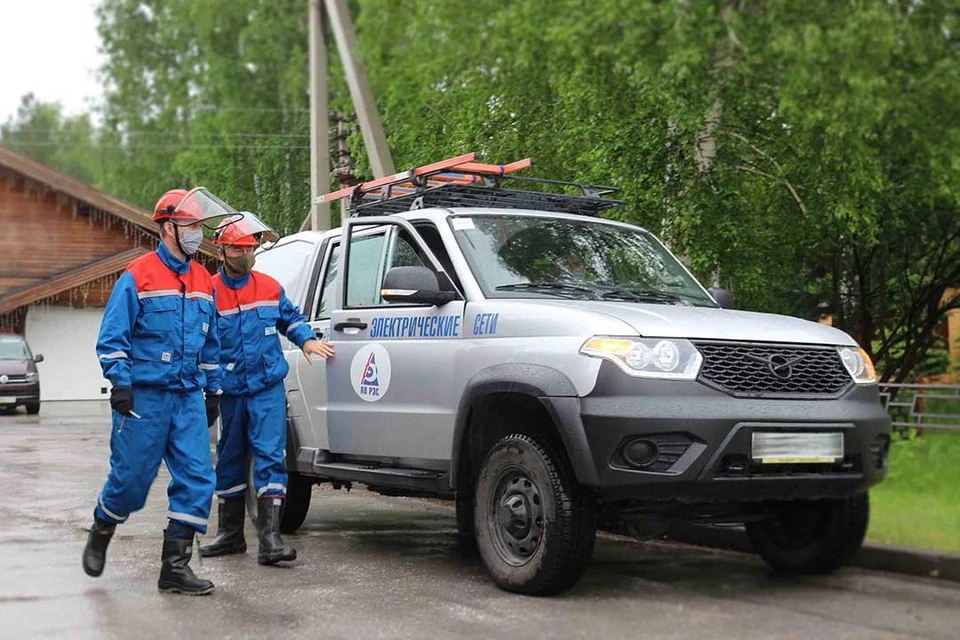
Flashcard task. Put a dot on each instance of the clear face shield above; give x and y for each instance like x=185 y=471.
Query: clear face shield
x=247 y=230
x=199 y=205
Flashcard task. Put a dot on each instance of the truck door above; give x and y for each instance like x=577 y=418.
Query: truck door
x=313 y=377
x=390 y=382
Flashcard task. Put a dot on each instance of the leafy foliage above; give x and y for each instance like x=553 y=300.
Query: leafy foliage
x=42 y=132
x=804 y=155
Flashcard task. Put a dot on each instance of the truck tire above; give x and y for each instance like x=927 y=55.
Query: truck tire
x=33 y=408
x=535 y=525
x=465 y=507
x=295 y=507
x=251 y=494
x=297 y=504
x=812 y=536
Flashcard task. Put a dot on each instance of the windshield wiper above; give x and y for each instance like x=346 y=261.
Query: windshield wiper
x=677 y=295
x=601 y=291
x=636 y=294
x=642 y=294
x=554 y=288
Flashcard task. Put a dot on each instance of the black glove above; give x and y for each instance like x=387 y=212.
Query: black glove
x=213 y=408
x=121 y=399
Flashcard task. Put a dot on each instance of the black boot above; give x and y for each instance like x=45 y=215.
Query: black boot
x=175 y=573
x=95 y=553
x=271 y=549
x=229 y=538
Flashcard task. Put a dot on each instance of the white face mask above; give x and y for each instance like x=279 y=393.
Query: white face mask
x=190 y=240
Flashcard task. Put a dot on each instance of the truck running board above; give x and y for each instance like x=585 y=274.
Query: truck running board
x=418 y=480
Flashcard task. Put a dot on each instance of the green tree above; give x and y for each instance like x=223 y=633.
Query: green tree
x=41 y=130
x=804 y=155
x=210 y=92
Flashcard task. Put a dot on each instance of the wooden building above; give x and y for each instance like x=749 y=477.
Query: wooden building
x=62 y=248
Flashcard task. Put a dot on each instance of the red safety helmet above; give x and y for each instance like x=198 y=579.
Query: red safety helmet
x=248 y=231
x=167 y=204
x=186 y=207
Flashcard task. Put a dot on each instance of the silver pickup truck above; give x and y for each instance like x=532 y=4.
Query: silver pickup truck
x=551 y=369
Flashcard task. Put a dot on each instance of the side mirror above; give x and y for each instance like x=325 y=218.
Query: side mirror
x=723 y=297
x=38 y=358
x=414 y=285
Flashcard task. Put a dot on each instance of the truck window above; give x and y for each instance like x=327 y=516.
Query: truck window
x=365 y=279
x=404 y=252
x=364 y=274
x=327 y=290
x=431 y=236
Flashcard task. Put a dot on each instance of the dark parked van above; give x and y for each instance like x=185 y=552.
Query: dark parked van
x=19 y=378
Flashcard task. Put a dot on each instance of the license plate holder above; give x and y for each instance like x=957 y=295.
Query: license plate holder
x=7 y=400
x=791 y=447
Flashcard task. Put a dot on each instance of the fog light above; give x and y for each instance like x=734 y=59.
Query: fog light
x=640 y=452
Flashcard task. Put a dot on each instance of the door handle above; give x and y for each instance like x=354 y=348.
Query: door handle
x=352 y=323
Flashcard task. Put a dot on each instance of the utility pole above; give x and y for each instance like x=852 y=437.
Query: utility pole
x=373 y=137
x=319 y=121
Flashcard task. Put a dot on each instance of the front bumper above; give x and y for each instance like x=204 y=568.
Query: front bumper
x=19 y=393
x=704 y=439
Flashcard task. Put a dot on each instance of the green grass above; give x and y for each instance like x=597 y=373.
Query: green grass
x=918 y=505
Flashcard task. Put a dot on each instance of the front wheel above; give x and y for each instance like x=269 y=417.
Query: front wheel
x=33 y=408
x=535 y=524
x=812 y=536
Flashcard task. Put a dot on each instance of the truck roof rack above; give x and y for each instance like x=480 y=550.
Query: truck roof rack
x=462 y=182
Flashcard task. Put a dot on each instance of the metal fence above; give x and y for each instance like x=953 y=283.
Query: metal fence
x=922 y=406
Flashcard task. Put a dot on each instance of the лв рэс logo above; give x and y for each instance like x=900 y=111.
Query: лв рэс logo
x=370 y=372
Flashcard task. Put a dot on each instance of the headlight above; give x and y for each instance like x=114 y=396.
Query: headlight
x=648 y=357
x=33 y=376
x=858 y=365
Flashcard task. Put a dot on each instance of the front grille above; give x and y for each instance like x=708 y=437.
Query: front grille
x=752 y=370
x=11 y=379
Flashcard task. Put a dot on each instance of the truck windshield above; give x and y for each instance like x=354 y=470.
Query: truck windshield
x=13 y=349
x=523 y=256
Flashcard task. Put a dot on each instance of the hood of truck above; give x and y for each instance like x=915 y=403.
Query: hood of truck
x=704 y=323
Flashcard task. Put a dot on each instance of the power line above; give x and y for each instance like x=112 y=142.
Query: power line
x=172 y=146
x=146 y=133
x=248 y=109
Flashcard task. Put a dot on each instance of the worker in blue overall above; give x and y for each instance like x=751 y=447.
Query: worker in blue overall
x=160 y=349
x=253 y=311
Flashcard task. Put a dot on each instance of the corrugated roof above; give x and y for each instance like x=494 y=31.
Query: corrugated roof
x=83 y=192
x=69 y=279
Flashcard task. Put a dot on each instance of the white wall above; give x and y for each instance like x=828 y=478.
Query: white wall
x=67 y=338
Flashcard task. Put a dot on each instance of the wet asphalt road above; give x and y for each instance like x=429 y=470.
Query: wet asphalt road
x=375 y=567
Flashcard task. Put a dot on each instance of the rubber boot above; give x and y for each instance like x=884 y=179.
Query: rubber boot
x=229 y=539
x=95 y=553
x=271 y=549
x=175 y=573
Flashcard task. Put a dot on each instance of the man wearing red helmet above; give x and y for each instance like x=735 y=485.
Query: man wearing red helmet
x=159 y=344
x=252 y=309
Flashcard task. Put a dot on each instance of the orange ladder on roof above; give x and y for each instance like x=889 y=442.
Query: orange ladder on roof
x=460 y=169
